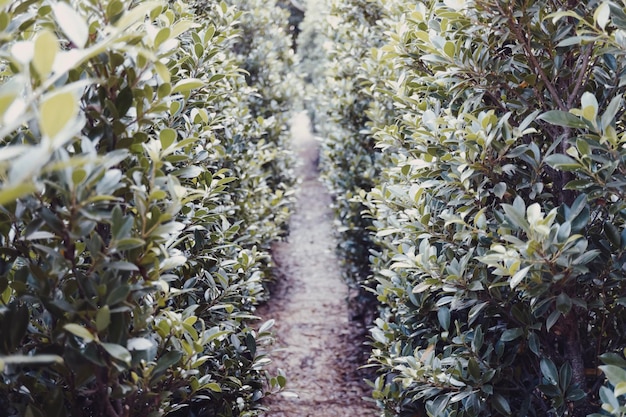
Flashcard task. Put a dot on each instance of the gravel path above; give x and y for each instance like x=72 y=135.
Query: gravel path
x=318 y=347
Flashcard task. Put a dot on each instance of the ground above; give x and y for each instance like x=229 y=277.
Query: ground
x=318 y=347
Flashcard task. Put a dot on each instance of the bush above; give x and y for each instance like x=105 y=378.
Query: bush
x=134 y=238
x=500 y=222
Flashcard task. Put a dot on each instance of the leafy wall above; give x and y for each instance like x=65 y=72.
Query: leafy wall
x=496 y=204
x=143 y=180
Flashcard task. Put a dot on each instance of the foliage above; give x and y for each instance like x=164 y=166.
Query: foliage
x=340 y=102
x=500 y=221
x=141 y=188
x=497 y=204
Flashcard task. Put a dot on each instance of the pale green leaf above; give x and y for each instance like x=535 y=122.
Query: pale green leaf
x=614 y=374
x=518 y=277
x=103 y=318
x=602 y=14
x=46 y=48
x=12 y=193
x=71 y=23
x=80 y=331
x=563 y=118
x=187 y=85
x=137 y=14
x=56 y=112
x=119 y=352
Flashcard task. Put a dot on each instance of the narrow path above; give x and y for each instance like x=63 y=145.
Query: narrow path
x=319 y=348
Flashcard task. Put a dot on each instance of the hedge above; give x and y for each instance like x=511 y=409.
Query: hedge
x=497 y=203
x=142 y=182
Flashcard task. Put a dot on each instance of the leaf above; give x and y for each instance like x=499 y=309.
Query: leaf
x=56 y=112
x=563 y=303
x=118 y=295
x=166 y=361
x=139 y=343
x=443 y=314
x=214 y=386
x=118 y=352
x=589 y=105
x=12 y=193
x=552 y=319
x=563 y=118
x=167 y=137
x=518 y=277
x=46 y=48
x=562 y=161
x=187 y=85
x=29 y=360
x=173 y=262
x=136 y=14
x=449 y=49
x=511 y=334
x=548 y=371
x=608 y=117
x=501 y=405
x=602 y=14
x=71 y=23
x=79 y=331
x=614 y=374
x=103 y=318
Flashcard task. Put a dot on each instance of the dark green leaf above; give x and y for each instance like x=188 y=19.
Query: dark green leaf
x=563 y=118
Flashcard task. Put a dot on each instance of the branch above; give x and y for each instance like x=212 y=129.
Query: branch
x=579 y=80
x=516 y=30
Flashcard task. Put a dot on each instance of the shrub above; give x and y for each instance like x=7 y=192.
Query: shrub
x=500 y=222
x=133 y=251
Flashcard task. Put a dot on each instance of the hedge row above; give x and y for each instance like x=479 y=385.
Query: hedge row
x=496 y=201
x=143 y=177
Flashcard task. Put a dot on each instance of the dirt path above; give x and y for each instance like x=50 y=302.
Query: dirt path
x=318 y=347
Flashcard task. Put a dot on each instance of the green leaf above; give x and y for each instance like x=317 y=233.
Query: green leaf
x=187 y=85
x=167 y=137
x=118 y=352
x=443 y=314
x=166 y=361
x=549 y=371
x=118 y=295
x=602 y=14
x=612 y=234
x=614 y=374
x=511 y=334
x=103 y=318
x=79 y=331
x=12 y=193
x=563 y=303
x=589 y=105
x=29 y=360
x=46 y=48
x=565 y=376
x=214 y=386
x=611 y=111
x=501 y=405
x=56 y=111
x=518 y=277
x=563 y=118
x=137 y=14
x=552 y=319
x=562 y=161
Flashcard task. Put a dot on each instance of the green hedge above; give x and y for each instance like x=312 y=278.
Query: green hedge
x=497 y=212
x=142 y=184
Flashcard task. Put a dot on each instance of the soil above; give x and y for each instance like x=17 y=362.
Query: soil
x=318 y=347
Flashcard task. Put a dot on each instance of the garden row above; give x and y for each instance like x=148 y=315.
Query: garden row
x=144 y=175
x=476 y=150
